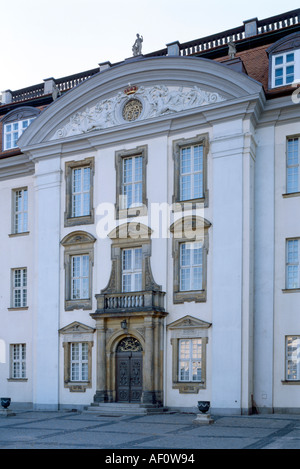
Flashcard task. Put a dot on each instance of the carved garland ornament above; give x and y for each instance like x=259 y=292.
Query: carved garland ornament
x=146 y=103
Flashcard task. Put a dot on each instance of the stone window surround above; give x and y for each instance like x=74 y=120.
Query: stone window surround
x=126 y=236
x=201 y=139
x=77 y=332
x=86 y=219
x=186 y=229
x=290 y=194
x=119 y=155
x=78 y=243
x=15 y=233
x=188 y=327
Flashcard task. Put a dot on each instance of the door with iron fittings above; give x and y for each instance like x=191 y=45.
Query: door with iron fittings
x=129 y=371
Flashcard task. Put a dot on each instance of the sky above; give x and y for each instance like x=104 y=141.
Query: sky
x=57 y=38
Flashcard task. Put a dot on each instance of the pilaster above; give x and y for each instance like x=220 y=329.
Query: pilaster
x=47 y=292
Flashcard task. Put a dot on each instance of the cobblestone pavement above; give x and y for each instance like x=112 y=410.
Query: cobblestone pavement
x=173 y=431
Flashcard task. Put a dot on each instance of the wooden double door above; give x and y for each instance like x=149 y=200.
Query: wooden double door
x=129 y=376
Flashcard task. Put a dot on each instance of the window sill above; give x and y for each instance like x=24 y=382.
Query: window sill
x=17 y=380
x=198 y=296
x=78 y=304
x=132 y=212
x=74 y=221
x=78 y=386
x=291 y=290
x=292 y=382
x=190 y=204
x=21 y=308
x=16 y=235
x=189 y=387
x=291 y=194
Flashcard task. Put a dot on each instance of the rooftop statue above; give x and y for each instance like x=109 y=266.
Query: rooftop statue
x=137 y=46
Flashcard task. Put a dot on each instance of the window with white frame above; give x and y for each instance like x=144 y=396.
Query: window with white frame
x=292 y=358
x=79 y=361
x=19 y=288
x=284 y=68
x=12 y=132
x=80 y=277
x=284 y=61
x=191 y=172
x=81 y=186
x=18 y=361
x=293 y=159
x=292 y=264
x=191 y=266
x=190 y=360
x=132 y=183
x=20 y=211
x=132 y=269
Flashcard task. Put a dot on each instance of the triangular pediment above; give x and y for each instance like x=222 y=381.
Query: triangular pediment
x=76 y=328
x=189 y=322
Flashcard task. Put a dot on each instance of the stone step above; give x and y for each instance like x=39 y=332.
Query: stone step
x=118 y=409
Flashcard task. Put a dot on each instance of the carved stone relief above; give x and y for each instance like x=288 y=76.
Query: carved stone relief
x=154 y=102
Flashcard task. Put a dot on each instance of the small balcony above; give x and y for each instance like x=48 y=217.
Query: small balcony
x=130 y=302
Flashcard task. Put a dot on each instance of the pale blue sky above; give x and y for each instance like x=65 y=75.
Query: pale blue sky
x=42 y=39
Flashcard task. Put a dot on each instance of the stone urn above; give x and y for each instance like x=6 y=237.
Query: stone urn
x=5 y=402
x=203 y=406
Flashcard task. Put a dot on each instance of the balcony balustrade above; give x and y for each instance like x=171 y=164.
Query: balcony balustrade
x=130 y=301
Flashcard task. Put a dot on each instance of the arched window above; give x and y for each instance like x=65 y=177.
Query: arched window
x=15 y=123
x=284 y=61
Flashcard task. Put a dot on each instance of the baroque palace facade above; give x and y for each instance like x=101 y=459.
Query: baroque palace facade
x=150 y=235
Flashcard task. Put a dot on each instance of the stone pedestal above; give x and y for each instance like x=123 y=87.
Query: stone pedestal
x=6 y=413
x=203 y=419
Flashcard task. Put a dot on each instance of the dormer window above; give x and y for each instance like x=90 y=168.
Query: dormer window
x=284 y=61
x=13 y=131
x=15 y=123
x=284 y=69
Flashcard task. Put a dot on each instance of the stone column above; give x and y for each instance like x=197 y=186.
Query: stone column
x=101 y=392
x=148 y=368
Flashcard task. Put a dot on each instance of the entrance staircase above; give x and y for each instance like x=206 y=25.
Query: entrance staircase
x=119 y=409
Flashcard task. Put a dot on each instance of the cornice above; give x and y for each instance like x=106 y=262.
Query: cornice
x=16 y=166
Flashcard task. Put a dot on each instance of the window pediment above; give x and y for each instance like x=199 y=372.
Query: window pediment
x=77 y=328
x=131 y=231
x=188 y=322
x=287 y=43
x=24 y=112
x=77 y=238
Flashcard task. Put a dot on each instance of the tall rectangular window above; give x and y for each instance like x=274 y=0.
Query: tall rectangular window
x=13 y=131
x=191 y=172
x=293 y=358
x=81 y=185
x=19 y=288
x=190 y=359
x=293 y=159
x=18 y=361
x=79 y=361
x=132 y=270
x=20 y=212
x=132 y=183
x=80 y=277
x=292 y=264
x=191 y=266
